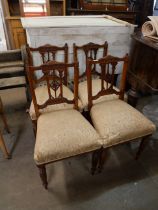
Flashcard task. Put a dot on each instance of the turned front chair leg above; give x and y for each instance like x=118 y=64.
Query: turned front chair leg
x=43 y=175
x=102 y=159
x=34 y=123
x=142 y=145
x=3 y=116
x=3 y=147
x=95 y=160
x=5 y=123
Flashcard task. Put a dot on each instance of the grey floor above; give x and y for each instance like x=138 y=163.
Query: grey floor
x=124 y=184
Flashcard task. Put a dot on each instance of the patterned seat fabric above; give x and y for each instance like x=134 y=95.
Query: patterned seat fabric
x=62 y=134
x=42 y=95
x=117 y=122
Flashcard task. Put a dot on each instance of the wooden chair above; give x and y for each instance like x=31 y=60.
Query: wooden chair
x=2 y=144
x=116 y=121
x=63 y=133
x=93 y=51
x=45 y=54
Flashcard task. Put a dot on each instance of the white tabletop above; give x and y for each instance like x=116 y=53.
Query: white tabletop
x=71 y=21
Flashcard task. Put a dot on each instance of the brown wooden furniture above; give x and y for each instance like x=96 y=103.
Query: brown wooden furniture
x=14 y=10
x=142 y=74
x=118 y=9
x=2 y=144
x=89 y=50
x=119 y=5
x=63 y=133
x=48 y=53
x=129 y=16
x=116 y=121
x=50 y=7
x=93 y=51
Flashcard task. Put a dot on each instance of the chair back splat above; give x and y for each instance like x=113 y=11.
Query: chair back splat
x=107 y=67
x=49 y=53
x=90 y=50
x=53 y=77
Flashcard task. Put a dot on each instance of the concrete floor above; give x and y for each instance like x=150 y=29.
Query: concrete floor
x=124 y=184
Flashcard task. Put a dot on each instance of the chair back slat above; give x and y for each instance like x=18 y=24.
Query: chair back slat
x=49 y=53
x=106 y=64
x=53 y=76
x=89 y=50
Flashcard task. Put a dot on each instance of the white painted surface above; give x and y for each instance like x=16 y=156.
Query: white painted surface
x=3 y=44
x=80 y=30
x=68 y=21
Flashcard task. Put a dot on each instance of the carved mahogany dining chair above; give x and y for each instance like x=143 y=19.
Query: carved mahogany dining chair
x=93 y=51
x=116 y=121
x=48 y=53
x=62 y=133
x=2 y=144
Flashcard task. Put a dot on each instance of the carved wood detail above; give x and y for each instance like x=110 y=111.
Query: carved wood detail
x=106 y=63
x=90 y=51
x=53 y=76
x=49 y=53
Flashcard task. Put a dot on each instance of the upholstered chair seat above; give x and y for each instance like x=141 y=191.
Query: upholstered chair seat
x=118 y=122
x=96 y=85
x=62 y=134
x=42 y=95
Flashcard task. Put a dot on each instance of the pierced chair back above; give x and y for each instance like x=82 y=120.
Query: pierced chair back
x=107 y=66
x=90 y=50
x=48 y=53
x=53 y=76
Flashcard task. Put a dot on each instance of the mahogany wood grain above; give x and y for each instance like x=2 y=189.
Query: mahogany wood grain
x=142 y=72
x=53 y=77
x=47 y=53
x=90 y=50
x=106 y=63
x=105 y=6
x=2 y=144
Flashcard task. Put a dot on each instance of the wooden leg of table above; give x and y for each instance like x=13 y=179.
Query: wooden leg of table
x=5 y=122
x=142 y=146
x=102 y=159
x=3 y=147
x=43 y=175
x=133 y=97
x=95 y=160
x=3 y=116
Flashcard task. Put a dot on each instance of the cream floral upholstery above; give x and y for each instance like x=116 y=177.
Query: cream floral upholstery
x=96 y=87
x=42 y=95
x=116 y=122
x=62 y=134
